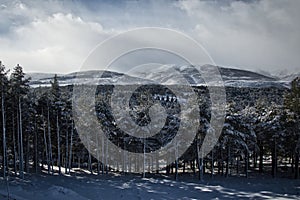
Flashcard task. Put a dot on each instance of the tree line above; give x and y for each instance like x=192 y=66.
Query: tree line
x=37 y=127
x=38 y=134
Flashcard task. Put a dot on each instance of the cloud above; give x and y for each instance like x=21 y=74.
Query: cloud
x=57 y=35
x=256 y=35
x=58 y=43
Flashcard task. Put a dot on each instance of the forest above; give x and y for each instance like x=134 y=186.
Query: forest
x=261 y=133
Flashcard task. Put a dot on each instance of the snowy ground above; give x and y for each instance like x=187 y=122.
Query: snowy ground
x=44 y=187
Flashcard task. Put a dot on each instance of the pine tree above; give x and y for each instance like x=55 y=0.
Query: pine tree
x=43 y=103
x=292 y=103
x=19 y=89
x=4 y=88
x=30 y=130
x=55 y=97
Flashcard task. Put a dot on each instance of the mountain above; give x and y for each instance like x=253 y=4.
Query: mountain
x=245 y=78
x=290 y=77
x=164 y=75
x=38 y=76
x=235 y=78
x=82 y=77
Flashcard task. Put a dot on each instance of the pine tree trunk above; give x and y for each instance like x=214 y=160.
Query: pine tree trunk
x=106 y=156
x=67 y=152
x=274 y=161
x=14 y=144
x=176 y=161
x=193 y=167
x=103 y=153
x=297 y=153
x=199 y=161
x=49 y=138
x=293 y=161
x=21 y=141
x=246 y=163
x=124 y=158
x=296 y=165
x=98 y=167
x=261 y=158
x=45 y=142
x=228 y=160
x=255 y=159
x=71 y=146
x=222 y=168
x=157 y=163
x=89 y=158
x=58 y=144
x=176 y=170
x=36 y=159
x=4 y=133
x=98 y=155
x=212 y=164
x=27 y=156
x=144 y=158
x=238 y=166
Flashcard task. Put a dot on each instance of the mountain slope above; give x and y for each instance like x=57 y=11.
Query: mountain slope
x=231 y=77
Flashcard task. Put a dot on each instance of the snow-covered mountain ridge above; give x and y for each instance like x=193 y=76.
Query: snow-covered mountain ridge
x=231 y=77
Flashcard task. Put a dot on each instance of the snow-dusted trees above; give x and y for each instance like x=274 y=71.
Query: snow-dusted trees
x=237 y=139
x=292 y=103
x=38 y=132
x=29 y=118
x=19 y=87
x=67 y=128
x=43 y=112
x=56 y=127
x=272 y=131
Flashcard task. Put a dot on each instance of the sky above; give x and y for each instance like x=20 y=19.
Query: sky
x=56 y=36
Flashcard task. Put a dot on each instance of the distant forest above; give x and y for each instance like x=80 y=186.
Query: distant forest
x=261 y=133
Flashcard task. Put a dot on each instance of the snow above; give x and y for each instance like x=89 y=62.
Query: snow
x=60 y=192
x=115 y=186
x=164 y=74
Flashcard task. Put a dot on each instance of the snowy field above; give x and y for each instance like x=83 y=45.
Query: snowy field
x=82 y=187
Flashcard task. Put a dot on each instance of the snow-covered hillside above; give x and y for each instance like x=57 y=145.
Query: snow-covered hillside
x=82 y=77
x=231 y=77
